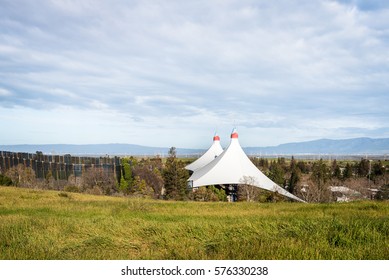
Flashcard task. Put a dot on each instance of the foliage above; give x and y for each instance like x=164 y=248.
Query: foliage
x=22 y=176
x=277 y=173
x=126 y=180
x=167 y=178
x=348 y=172
x=378 y=169
x=320 y=174
x=5 y=181
x=383 y=193
x=247 y=191
x=97 y=181
x=335 y=170
x=210 y=193
x=261 y=163
x=149 y=172
x=304 y=167
x=49 y=181
x=363 y=168
x=72 y=188
x=295 y=174
x=141 y=189
x=175 y=177
x=123 y=185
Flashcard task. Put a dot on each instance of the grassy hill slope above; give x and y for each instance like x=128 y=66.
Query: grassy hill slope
x=56 y=225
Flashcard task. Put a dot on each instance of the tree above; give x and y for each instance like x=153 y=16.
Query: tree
x=151 y=176
x=49 y=180
x=98 y=181
x=335 y=170
x=363 y=168
x=123 y=185
x=320 y=174
x=383 y=193
x=347 y=172
x=295 y=175
x=282 y=162
x=315 y=193
x=126 y=180
x=210 y=193
x=5 y=181
x=141 y=188
x=303 y=166
x=175 y=177
x=202 y=194
x=260 y=163
x=22 y=176
x=318 y=188
x=277 y=173
x=127 y=172
x=377 y=169
x=247 y=190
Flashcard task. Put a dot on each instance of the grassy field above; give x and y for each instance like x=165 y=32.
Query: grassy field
x=40 y=225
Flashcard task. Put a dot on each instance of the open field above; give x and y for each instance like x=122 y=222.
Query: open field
x=37 y=224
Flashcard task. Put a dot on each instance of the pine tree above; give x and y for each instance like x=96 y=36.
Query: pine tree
x=303 y=166
x=295 y=175
x=347 y=172
x=320 y=174
x=277 y=173
x=378 y=169
x=335 y=170
x=363 y=168
x=175 y=177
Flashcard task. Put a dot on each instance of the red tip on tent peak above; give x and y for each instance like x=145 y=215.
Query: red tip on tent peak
x=216 y=138
x=234 y=134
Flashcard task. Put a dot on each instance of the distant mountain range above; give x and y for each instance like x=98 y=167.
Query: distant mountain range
x=354 y=146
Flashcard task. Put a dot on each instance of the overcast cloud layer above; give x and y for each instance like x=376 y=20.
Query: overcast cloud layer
x=171 y=73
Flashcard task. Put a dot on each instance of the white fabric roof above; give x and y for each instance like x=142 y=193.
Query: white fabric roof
x=213 y=151
x=234 y=167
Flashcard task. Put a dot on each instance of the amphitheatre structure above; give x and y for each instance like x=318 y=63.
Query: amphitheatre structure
x=230 y=168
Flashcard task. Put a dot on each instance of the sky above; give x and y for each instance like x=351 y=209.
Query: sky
x=172 y=73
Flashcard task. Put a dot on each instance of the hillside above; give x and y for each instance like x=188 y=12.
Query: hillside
x=61 y=225
x=328 y=146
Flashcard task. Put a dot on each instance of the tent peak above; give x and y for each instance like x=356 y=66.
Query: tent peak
x=234 y=134
x=216 y=137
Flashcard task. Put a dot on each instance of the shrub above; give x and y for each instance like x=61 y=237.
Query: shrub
x=22 y=176
x=72 y=189
x=5 y=181
x=210 y=193
x=64 y=194
x=383 y=193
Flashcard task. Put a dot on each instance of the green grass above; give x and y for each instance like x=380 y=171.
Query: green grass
x=56 y=225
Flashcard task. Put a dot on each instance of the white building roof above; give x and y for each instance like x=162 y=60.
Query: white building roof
x=234 y=167
x=213 y=151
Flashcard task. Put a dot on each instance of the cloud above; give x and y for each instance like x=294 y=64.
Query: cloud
x=268 y=67
x=4 y=92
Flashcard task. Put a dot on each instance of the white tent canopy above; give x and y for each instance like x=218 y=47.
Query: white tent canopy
x=234 y=167
x=213 y=151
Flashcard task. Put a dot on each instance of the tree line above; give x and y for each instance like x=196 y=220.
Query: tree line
x=167 y=179
x=312 y=180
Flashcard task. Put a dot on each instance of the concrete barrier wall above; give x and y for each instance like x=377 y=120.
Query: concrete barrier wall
x=60 y=166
